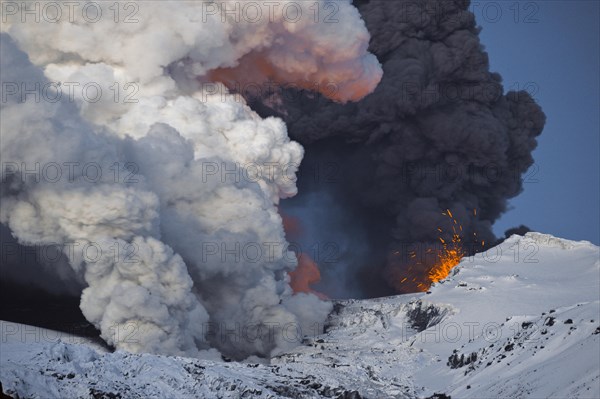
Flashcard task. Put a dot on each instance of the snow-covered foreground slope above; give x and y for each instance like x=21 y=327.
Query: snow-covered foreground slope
x=521 y=320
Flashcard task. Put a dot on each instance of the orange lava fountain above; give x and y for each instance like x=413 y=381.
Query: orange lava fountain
x=451 y=254
x=447 y=257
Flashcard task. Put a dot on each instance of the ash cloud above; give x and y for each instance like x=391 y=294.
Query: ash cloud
x=438 y=133
x=154 y=207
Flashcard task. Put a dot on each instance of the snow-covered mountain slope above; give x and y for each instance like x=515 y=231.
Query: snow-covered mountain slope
x=521 y=320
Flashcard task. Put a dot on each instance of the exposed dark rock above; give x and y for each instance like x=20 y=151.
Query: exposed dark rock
x=421 y=317
x=439 y=396
x=455 y=361
x=97 y=394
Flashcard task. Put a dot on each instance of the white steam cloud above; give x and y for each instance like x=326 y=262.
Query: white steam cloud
x=158 y=214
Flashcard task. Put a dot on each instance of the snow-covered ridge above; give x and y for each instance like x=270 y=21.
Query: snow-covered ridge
x=520 y=320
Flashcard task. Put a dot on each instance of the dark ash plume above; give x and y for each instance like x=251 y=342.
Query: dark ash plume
x=438 y=133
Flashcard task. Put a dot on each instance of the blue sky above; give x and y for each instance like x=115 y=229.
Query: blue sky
x=552 y=49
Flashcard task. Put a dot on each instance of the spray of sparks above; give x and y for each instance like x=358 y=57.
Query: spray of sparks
x=451 y=252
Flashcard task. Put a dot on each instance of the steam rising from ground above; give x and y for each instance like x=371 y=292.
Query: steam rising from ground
x=161 y=217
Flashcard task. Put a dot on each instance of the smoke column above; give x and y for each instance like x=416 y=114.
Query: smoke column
x=437 y=133
x=156 y=231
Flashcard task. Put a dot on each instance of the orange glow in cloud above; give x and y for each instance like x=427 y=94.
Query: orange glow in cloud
x=291 y=226
x=304 y=275
x=255 y=73
x=307 y=272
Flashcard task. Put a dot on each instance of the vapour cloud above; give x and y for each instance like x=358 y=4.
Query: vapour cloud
x=157 y=201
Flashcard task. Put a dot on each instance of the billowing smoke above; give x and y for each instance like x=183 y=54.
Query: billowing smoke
x=437 y=134
x=162 y=193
